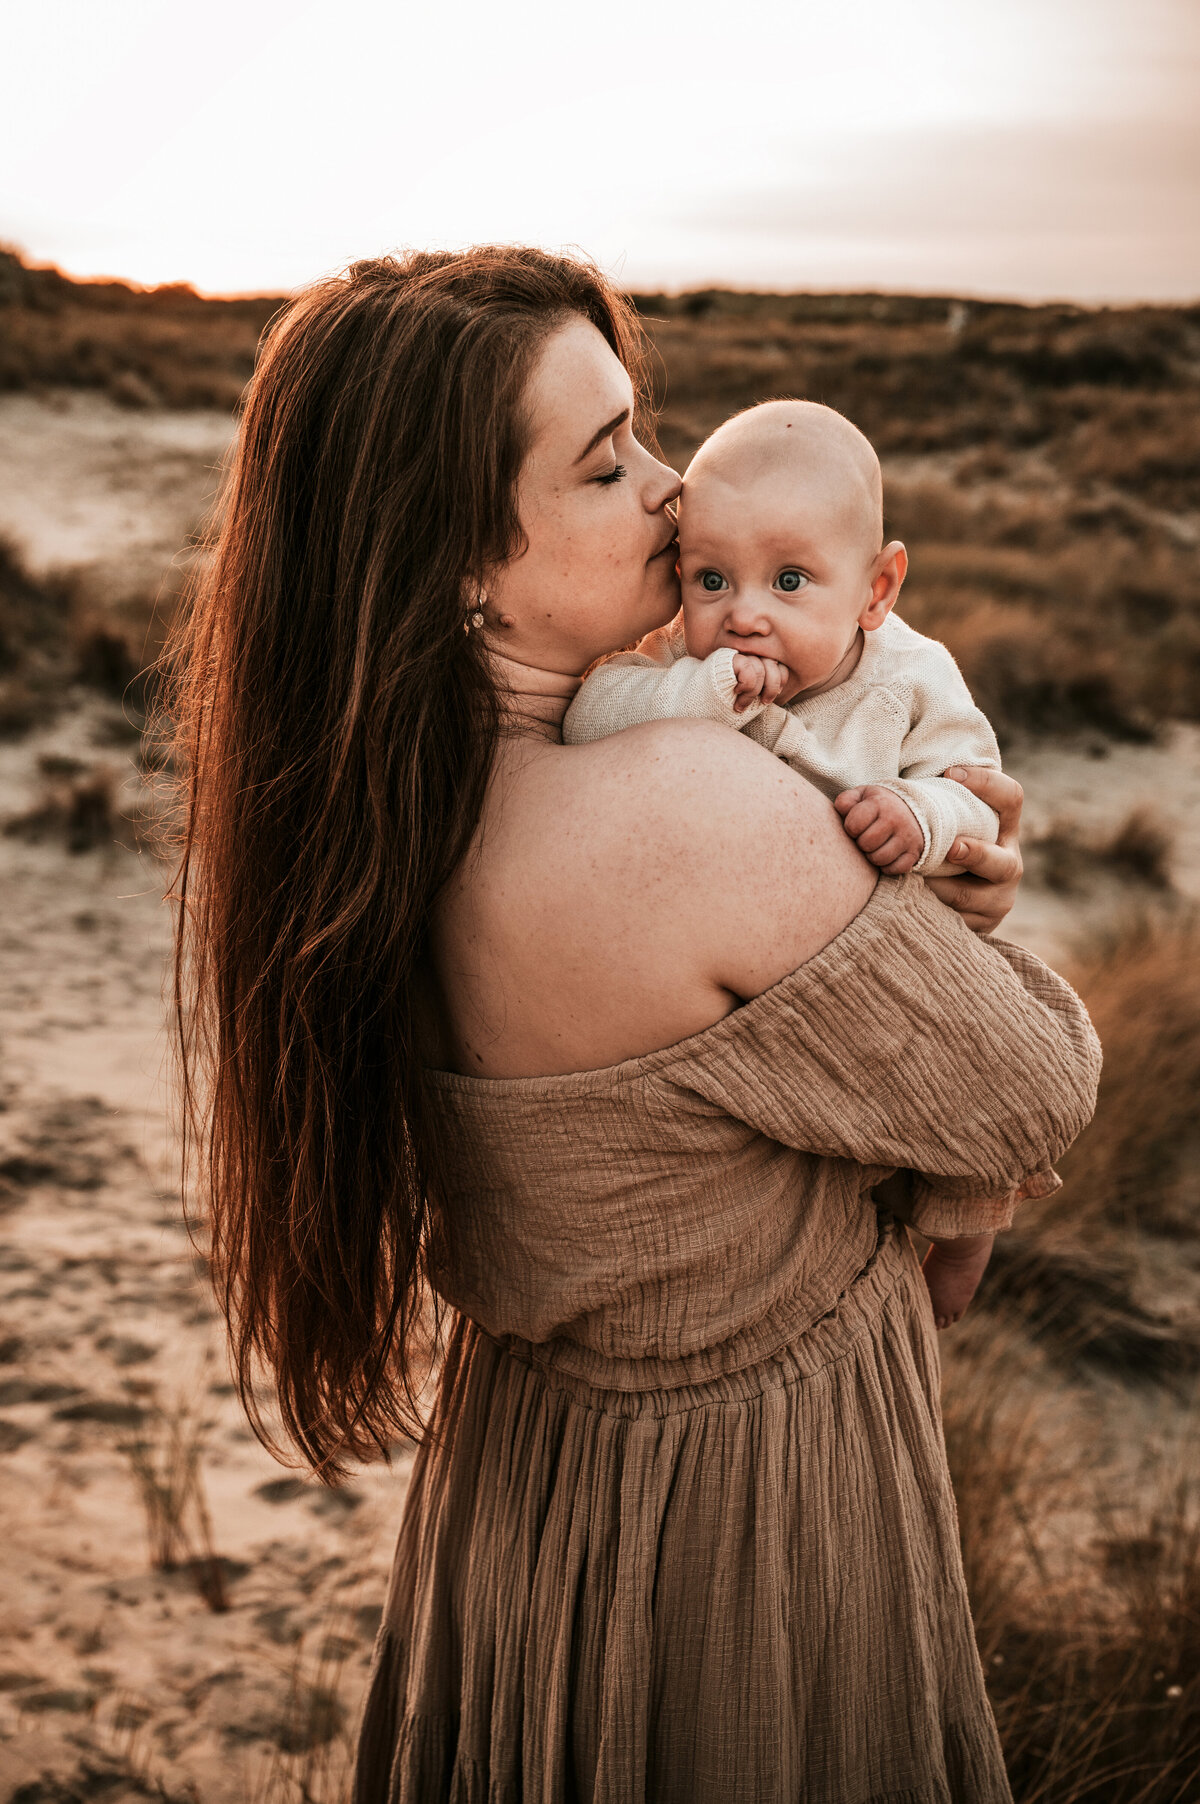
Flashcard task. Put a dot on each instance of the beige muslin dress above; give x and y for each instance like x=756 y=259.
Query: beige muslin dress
x=691 y=1537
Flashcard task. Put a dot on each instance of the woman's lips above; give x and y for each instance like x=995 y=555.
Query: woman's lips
x=672 y=546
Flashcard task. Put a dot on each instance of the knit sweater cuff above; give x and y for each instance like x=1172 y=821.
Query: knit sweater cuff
x=723 y=680
x=720 y=675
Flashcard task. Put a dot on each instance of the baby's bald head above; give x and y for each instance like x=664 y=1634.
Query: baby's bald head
x=806 y=450
x=781 y=552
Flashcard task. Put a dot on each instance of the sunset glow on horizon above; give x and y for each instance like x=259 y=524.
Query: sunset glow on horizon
x=1032 y=148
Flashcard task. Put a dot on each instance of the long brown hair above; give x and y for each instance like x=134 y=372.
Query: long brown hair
x=333 y=729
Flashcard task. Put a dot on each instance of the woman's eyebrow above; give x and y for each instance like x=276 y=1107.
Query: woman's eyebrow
x=606 y=431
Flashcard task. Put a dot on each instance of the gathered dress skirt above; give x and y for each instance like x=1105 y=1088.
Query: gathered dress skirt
x=744 y=1590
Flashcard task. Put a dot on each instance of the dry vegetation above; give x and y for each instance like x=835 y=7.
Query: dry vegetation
x=1042 y=463
x=1043 y=466
x=1094 y=1663
x=163 y=347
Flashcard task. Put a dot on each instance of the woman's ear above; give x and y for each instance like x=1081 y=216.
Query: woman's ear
x=888 y=571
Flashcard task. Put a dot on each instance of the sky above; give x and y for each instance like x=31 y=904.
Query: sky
x=1034 y=148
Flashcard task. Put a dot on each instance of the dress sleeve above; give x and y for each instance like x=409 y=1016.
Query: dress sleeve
x=910 y=1042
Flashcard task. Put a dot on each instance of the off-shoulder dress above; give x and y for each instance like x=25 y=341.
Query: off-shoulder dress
x=690 y=1537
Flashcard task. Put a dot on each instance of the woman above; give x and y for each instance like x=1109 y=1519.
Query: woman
x=612 y=1043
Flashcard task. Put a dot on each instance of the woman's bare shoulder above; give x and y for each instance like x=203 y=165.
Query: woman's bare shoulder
x=748 y=861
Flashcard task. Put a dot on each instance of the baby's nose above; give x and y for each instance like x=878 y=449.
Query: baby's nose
x=745 y=619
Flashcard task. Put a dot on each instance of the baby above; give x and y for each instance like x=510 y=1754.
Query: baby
x=787 y=634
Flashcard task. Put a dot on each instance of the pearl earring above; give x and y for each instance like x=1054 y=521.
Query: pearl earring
x=475 y=616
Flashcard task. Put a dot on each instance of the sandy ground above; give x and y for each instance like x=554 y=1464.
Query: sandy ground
x=118 y=1680
x=85 y=483
x=108 y=1335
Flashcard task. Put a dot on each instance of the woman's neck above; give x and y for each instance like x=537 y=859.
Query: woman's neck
x=534 y=700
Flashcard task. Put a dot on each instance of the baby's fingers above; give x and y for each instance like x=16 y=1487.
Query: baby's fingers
x=862 y=815
x=873 y=838
x=775 y=676
x=886 y=855
x=901 y=861
x=845 y=802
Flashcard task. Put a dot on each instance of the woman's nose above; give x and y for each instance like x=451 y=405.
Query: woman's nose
x=664 y=487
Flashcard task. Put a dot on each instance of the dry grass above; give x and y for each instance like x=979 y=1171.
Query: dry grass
x=314 y=1757
x=1077 y=1270
x=1085 y=1584
x=1091 y=1668
x=1138 y=1164
x=77 y=807
x=162 y=347
x=1078 y=1300
x=1138 y=851
x=1043 y=463
x=1101 y=391
x=56 y=641
x=166 y=1459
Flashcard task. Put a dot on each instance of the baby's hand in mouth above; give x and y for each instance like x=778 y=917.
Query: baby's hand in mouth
x=758 y=679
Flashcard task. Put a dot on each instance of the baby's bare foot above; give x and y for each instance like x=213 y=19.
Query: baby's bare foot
x=952 y=1271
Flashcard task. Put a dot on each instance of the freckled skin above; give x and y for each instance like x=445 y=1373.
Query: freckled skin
x=591 y=543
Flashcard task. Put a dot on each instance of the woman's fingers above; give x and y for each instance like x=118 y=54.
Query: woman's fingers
x=988 y=888
x=998 y=790
x=994 y=864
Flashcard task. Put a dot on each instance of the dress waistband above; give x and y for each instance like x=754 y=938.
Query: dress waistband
x=798 y=1347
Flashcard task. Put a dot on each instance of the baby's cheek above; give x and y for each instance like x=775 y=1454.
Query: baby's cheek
x=699 y=630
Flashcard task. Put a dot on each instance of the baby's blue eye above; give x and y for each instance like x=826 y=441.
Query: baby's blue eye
x=712 y=580
x=791 y=580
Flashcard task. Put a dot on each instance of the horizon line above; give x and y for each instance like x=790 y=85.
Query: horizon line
x=982 y=297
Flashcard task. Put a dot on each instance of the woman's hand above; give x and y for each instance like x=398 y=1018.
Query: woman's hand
x=985 y=896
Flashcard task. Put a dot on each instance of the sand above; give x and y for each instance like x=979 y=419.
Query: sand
x=107 y=1321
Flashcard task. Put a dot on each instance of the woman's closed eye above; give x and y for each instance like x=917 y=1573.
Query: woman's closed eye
x=791 y=580
x=613 y=475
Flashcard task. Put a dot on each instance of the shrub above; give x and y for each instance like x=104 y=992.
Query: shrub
x=54 y=636
x=1136 y=1166
x=1138 y=850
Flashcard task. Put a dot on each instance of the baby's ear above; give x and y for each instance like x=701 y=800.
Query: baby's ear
x=888 y=571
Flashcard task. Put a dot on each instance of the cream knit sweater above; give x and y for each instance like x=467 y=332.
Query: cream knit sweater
x=900 y=719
